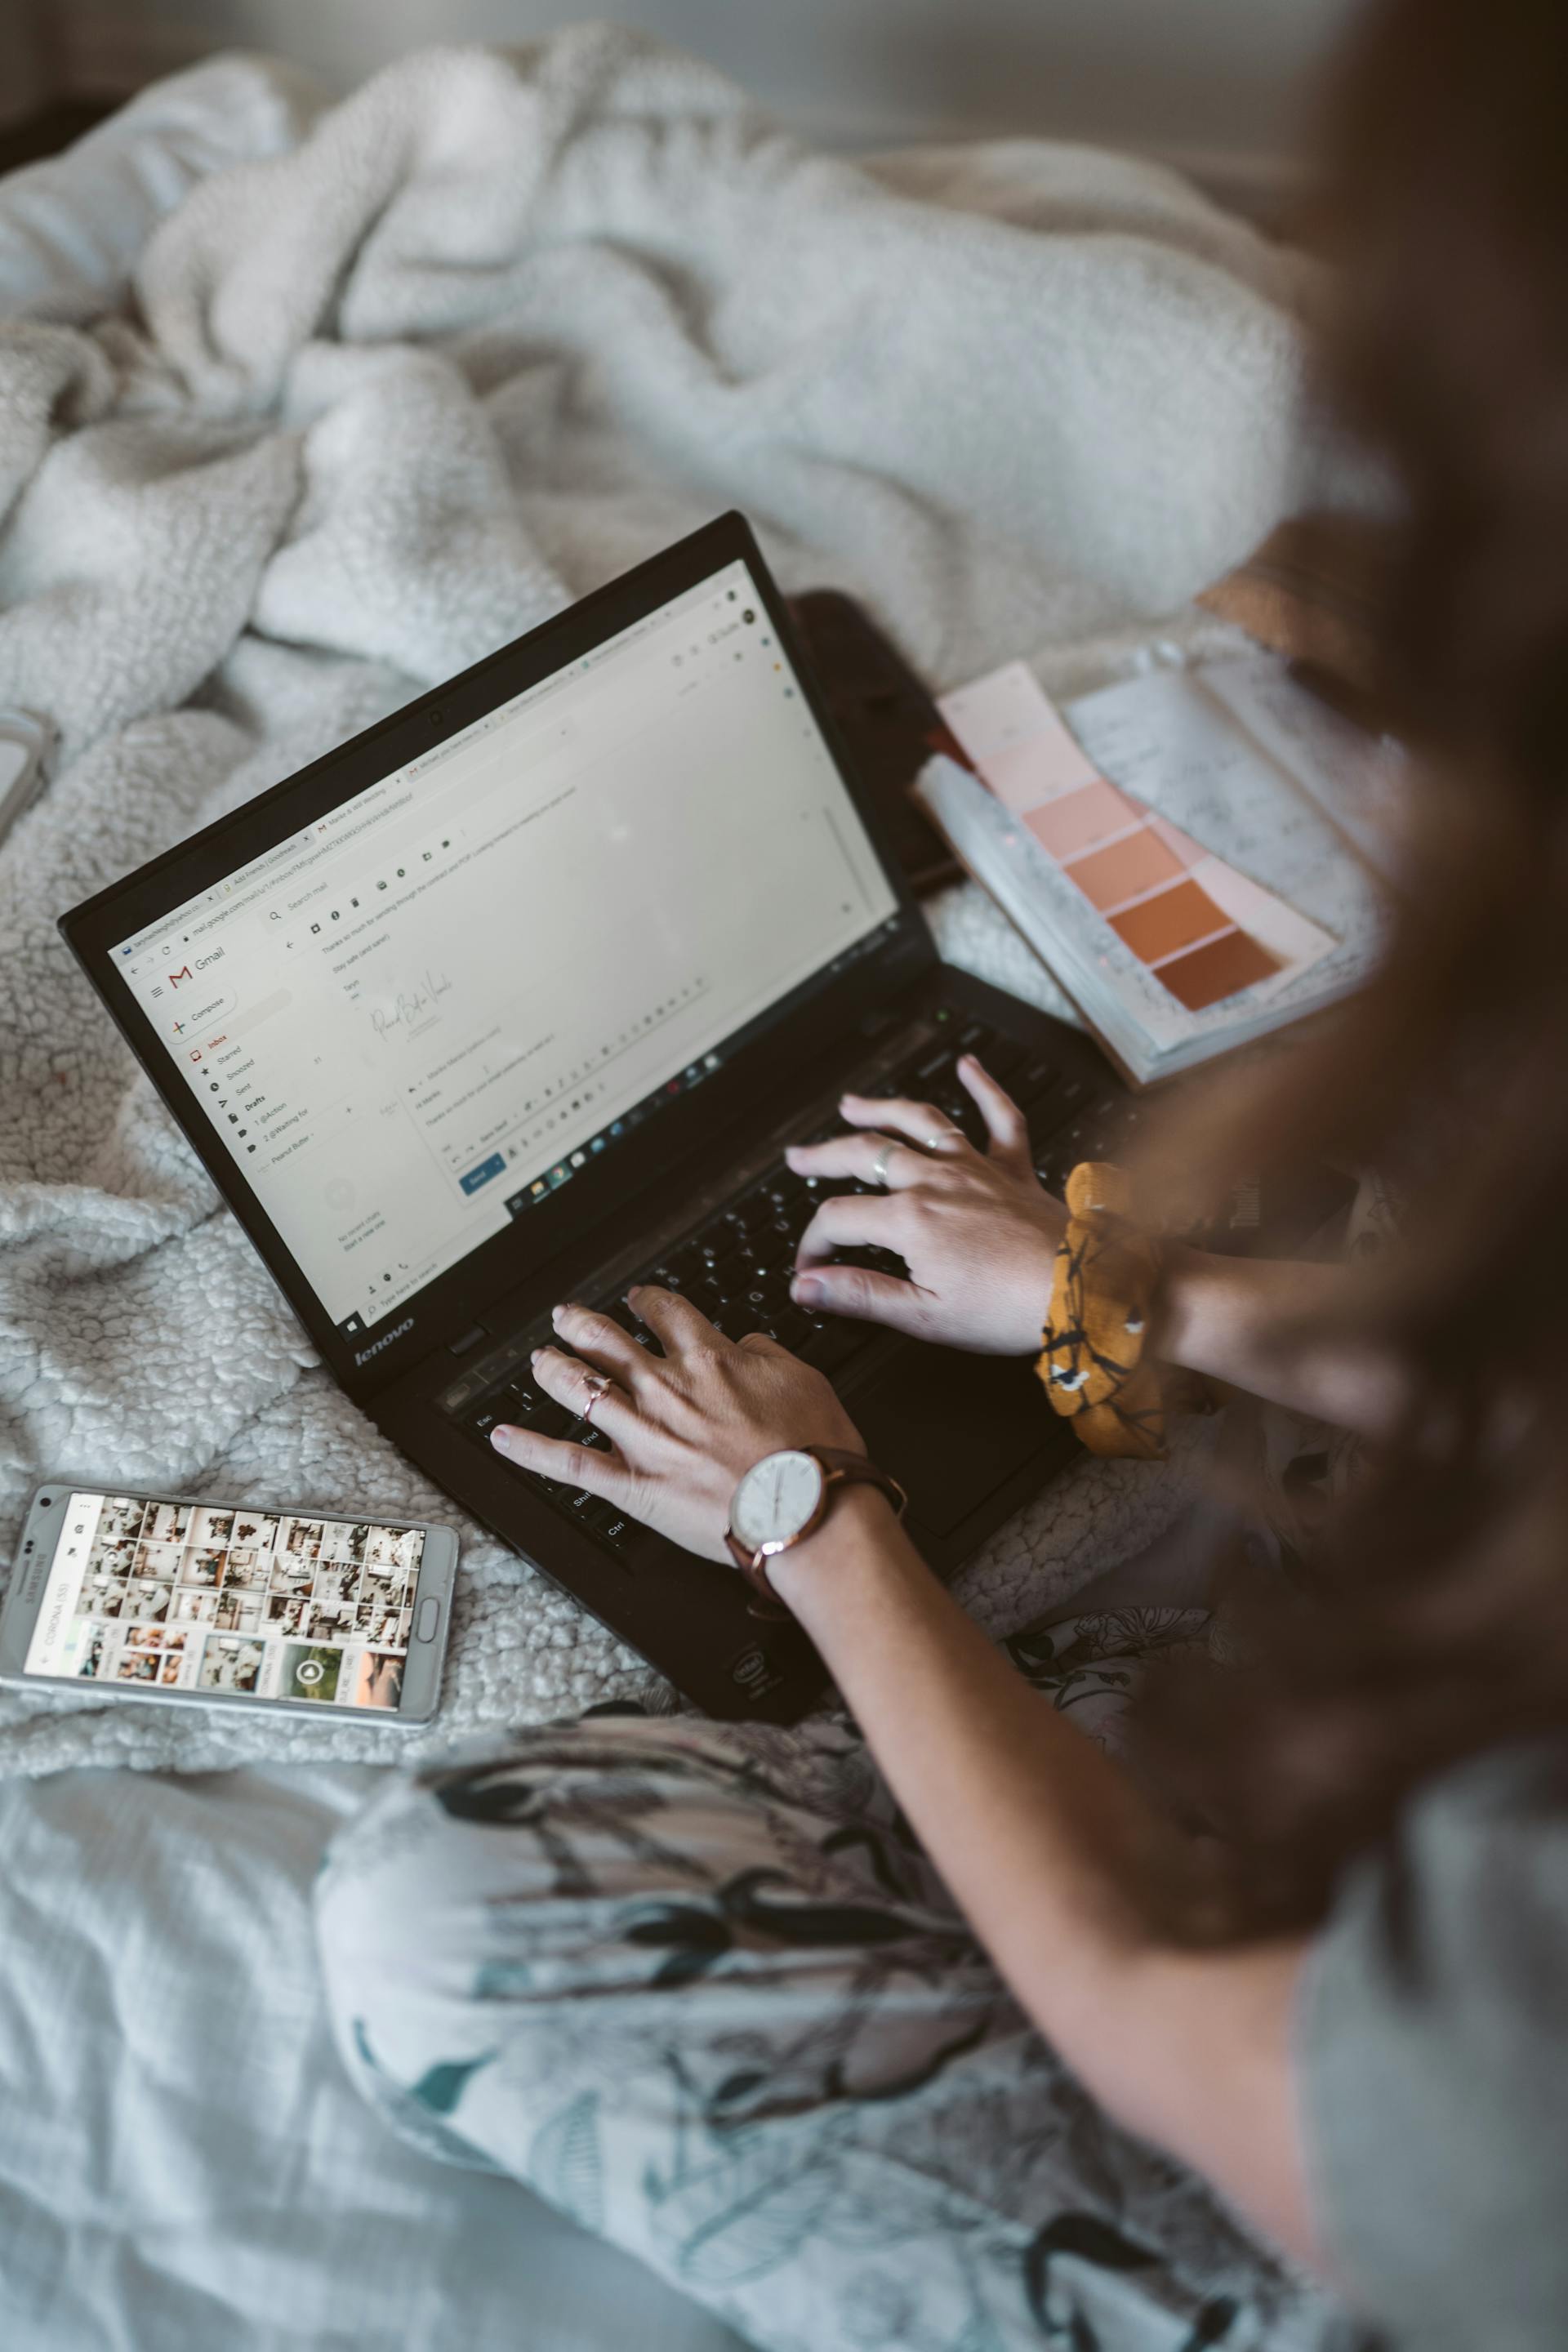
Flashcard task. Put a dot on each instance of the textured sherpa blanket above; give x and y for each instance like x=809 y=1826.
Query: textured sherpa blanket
x=468 y=344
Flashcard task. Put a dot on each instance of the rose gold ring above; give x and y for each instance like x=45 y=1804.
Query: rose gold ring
x=599 y=1388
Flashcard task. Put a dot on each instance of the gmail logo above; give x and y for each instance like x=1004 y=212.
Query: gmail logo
x=184 y=973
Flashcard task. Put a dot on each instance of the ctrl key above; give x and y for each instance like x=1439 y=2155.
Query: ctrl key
x=611 y=1524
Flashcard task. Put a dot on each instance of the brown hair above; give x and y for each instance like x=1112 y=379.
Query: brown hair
x=1441 y=1623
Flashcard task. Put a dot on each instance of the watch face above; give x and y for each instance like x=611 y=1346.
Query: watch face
x=777 y=1499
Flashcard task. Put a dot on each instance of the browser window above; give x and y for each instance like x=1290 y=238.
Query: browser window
x=421 y=1015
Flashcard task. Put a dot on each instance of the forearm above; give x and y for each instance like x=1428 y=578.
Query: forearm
x=1234 y=1319
x=1004 y=1795
x=1065 y=1871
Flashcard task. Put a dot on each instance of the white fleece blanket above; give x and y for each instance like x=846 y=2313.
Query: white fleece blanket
x=446 y=355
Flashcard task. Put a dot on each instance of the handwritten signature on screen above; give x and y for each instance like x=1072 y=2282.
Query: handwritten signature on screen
x=411 y=1007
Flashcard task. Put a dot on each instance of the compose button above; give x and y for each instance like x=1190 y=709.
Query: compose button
x=483 y=1172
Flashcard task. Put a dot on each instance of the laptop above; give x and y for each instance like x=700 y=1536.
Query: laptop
x=519 y=996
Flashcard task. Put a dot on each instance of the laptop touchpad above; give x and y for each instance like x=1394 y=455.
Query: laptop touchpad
x=951 y=1427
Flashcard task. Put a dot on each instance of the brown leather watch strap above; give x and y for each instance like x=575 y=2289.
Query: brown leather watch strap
x=841 y=1469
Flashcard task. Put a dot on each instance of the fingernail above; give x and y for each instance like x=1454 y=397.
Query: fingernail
x=501 y=1440
x=534 y=1354
x=557 y=1312
x=805 y=1290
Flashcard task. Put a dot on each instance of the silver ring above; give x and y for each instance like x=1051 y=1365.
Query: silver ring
x=599 y=1386
x=879 y=1165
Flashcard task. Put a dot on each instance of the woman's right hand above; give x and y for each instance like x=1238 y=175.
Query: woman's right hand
x=685 y=1427
x=978 y=1231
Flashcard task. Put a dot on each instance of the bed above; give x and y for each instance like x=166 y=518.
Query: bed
x=181 y=2163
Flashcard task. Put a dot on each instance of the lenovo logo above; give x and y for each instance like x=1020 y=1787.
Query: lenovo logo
x=363 y=1355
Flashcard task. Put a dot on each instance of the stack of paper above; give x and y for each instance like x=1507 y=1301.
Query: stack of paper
x=1163 y=847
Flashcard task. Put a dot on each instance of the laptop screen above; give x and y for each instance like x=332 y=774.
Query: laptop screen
x=422 y=1015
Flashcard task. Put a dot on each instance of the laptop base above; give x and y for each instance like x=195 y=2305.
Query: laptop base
x=971 y=1438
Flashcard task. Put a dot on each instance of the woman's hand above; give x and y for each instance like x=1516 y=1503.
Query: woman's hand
x=977 y=1231
x=682 y=1428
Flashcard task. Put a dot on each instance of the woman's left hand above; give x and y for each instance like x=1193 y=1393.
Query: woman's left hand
x=684 y=1427
x=978 y=1231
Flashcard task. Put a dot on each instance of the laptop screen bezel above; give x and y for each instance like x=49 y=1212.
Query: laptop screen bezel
x=453 y=1301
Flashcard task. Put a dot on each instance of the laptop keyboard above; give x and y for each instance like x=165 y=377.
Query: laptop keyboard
x=737 y=1263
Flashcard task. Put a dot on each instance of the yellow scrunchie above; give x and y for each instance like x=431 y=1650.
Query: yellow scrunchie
x=1092 y=1361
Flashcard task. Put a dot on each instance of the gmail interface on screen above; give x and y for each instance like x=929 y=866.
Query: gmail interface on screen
x=421 y=1015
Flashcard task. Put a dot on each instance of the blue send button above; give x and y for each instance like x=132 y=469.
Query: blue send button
x=483 y=1172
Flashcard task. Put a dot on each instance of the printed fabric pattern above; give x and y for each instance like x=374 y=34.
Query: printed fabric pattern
x=699 y=1986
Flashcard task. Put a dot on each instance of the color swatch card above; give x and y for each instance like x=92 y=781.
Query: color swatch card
x=1142 y=849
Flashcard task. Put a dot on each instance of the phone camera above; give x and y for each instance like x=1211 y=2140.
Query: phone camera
x=46 y=1502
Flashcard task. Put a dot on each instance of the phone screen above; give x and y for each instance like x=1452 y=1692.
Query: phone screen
x=201 y=1598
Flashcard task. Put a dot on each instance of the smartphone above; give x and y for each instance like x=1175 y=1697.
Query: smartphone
x=889 y=721
x=27 y=743
x=220 y=1604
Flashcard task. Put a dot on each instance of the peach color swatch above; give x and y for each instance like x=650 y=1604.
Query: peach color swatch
x=1128 y=868
x=1074 y=821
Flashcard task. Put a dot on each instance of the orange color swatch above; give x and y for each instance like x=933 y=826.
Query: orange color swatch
x=1173 y=920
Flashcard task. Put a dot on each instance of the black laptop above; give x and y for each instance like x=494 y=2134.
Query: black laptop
x=519 y=996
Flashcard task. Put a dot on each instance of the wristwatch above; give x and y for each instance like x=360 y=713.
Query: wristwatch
x=783 y=1498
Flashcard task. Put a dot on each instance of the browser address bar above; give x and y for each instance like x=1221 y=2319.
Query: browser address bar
x=552 y=738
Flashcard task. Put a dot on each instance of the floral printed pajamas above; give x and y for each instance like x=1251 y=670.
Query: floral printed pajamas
x=697 y=1986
